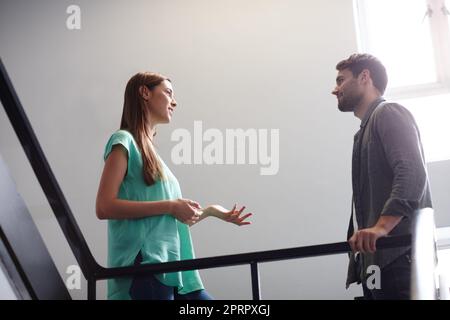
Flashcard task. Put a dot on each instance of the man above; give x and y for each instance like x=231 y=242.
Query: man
x=389 y=178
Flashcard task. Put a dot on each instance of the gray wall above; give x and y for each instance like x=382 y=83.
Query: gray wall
x=234 y=64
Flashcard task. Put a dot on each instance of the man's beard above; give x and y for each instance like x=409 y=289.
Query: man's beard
x=347 y=103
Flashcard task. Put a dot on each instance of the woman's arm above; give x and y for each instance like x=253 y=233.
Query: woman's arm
x=108 y=206
x=232 y=216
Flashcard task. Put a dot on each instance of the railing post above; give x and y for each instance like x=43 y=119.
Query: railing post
x=424 y=262
x=255 y=281
x=92 y=288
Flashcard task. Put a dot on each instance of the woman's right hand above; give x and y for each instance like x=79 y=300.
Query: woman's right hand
x=186 y=210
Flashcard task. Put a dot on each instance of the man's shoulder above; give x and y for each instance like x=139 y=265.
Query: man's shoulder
x=392 y=115
x=391 y=109
x=387 y=106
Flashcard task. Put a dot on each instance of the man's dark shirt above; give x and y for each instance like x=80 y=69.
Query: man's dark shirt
x=388 y=176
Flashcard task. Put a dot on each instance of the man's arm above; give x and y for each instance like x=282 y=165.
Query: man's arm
x=399 y=137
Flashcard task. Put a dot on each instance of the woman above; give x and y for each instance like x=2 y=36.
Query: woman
x=148 y=220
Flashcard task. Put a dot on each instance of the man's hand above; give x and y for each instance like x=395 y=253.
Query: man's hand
x=364 y=240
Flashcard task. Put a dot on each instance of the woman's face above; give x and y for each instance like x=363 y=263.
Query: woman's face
x=162 y=103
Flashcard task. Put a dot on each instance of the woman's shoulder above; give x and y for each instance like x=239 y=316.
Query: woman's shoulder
x=122 y=137
x=122 y=133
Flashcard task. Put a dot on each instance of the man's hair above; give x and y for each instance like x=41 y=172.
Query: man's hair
x=357 y=62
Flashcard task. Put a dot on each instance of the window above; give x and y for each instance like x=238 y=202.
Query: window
x=432 y=114
x=412 y=39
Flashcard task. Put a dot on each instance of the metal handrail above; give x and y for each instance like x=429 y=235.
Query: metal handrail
x=247 y=258
x=252 y=258
x=43 y=172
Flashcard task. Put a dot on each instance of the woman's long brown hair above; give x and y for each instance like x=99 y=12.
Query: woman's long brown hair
x=135 y=119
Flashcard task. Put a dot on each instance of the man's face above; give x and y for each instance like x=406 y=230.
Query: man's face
x=347 y=91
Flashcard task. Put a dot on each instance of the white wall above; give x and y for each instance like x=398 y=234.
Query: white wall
x=234 y=64
x=7 y=291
